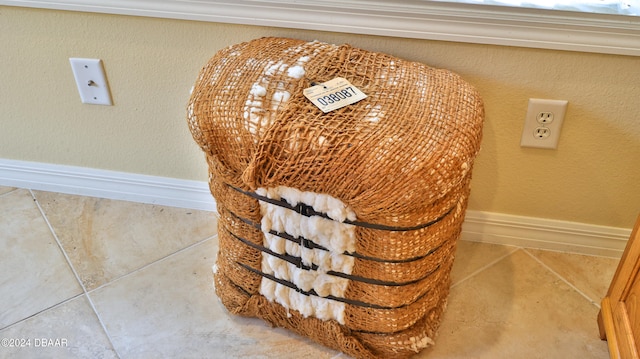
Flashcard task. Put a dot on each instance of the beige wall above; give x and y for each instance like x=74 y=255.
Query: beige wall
x=151 y=64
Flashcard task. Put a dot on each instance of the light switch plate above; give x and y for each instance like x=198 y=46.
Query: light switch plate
x=91 y=81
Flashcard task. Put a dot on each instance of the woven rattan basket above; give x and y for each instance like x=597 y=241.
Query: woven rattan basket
x=340 y=226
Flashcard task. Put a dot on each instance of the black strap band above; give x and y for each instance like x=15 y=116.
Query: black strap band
x=338 y=299
x=312 y=245
x=308 y=211
x=297 y=261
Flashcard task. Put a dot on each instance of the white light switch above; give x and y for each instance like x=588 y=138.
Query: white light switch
x=91 y=81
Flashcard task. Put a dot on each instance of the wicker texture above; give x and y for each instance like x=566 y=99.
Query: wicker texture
x=401 y=158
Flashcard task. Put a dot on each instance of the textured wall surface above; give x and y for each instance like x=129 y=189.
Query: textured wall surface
x=152 y=63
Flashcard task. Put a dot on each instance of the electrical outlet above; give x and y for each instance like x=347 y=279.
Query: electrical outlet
x=543 y=123
x=91 y=81
x=541 y=133
x=544 y=117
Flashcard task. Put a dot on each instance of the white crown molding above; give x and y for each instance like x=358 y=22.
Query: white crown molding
x=536 y=28
x=478 y=226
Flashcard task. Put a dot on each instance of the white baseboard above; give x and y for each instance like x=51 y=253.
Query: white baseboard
x=549 y=234
x=479 y=226
x=106 y=184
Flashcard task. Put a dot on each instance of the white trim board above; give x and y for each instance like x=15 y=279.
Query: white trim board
x=478 y=226
x=548 y=234
x=434 y=20
x=106 y=184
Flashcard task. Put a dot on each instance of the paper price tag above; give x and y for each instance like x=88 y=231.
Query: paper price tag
x=334 y=94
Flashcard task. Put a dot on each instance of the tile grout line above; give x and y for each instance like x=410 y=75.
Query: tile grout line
x=563 y=279
x=10 y=191
x=75 y=273
x=481 y=269
x=43 y=310
x=339 y=356
x=153 y=263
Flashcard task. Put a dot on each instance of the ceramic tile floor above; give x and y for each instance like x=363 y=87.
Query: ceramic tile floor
x=94 y=278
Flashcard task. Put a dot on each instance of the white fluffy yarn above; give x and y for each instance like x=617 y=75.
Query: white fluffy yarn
x=333 y=235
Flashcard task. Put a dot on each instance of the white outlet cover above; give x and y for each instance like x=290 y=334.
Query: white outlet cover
x=532 y=125
x=91 y=81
